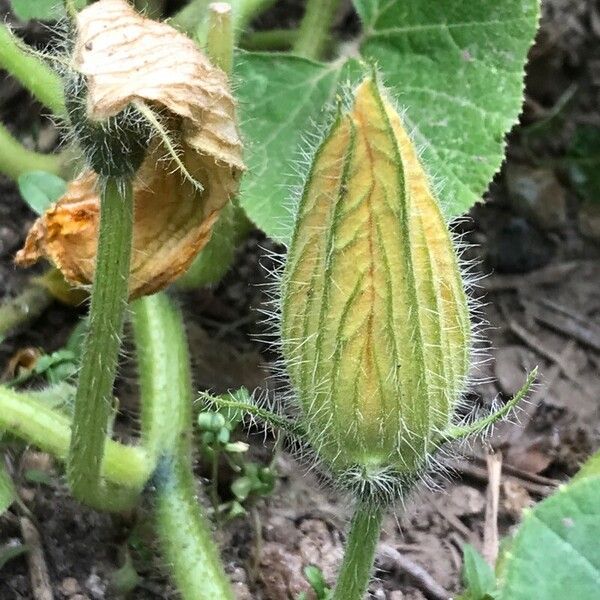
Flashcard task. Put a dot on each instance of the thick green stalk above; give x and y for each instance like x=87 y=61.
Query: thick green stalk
x=25 y=307
x=93 y=401
x=43 y=83
x=166 y=395
x=313 y=34
x=15 y=159
x=219 y=37
x=31 y=419
x=190 y=19
x=354 y=575
x=272 y=39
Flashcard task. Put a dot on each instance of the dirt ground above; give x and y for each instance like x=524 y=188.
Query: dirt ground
x=537 y=241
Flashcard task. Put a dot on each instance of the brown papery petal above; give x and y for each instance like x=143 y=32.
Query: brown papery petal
x=126 y=58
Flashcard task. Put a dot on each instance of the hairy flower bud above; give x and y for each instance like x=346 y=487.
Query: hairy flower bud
x=375 y=321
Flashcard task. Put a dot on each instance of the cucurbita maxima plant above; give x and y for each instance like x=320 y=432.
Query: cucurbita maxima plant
x=375 y=326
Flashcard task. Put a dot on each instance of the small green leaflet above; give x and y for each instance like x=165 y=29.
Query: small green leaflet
x=7 y=489
x=40 y=189
x=478 y=576
x=455 y=67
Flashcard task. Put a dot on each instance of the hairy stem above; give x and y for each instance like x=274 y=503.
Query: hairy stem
x=15 y=159
x=93 y=401
x=183 y=530
x=28 y=305
x=355 y=572
x=313 y=34
x=33 y=73
x=31 y=419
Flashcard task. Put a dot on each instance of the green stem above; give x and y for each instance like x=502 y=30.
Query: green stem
x=219 y=38
x=183 y=530
x=32 y=420
x=93 y=401
x=33 y=73
x=355 y=572
x=28 y=305
x=273 y=39
x=275 y=420
x=313 y=34
x=15 y=159
x=459 y=432
x=190 y=19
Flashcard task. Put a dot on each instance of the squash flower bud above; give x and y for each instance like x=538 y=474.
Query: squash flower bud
x=375 y=320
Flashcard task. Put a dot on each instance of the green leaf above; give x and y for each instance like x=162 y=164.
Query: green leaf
x=241 y=487
x=455 y=67
x=280 y=96
x=590 y=468
x=478 y=576
x=315 y=577
x=40 y=189
x=7 y=489
x=555 y=554
x=40 y=10
x=10 y=552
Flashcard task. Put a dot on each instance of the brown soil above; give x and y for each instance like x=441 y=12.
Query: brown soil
x=541 y=301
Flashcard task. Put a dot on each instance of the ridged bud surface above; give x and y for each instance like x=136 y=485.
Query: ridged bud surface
x=375 y=321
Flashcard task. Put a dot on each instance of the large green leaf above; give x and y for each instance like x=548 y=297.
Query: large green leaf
x=281 y=97
x=456 y=68
x=555 y=554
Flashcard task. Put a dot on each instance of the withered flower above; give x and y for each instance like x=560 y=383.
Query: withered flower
x=191 y=167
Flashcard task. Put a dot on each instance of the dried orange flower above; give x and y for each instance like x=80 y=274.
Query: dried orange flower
x=127 y=60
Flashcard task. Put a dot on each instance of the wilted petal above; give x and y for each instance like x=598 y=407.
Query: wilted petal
x=127 y=58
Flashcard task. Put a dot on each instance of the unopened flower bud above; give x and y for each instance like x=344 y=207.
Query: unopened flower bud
x=375 y=321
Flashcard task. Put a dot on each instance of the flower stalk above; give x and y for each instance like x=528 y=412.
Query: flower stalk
x=94 y=398
x=313 y=34
x=28 y=417
x=355 y=572
x=43 y=83
x=183 y=530
x=16 y=159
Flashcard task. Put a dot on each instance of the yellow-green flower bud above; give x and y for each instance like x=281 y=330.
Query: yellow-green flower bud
x=375 y=321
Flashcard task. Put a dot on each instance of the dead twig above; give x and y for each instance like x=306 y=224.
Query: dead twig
x=538 y=346
x=478 y=473
x=453 y=520
x=38 y=571
x=424 y=581
x=492 y=498
x=572 y=326
x=517 y=473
